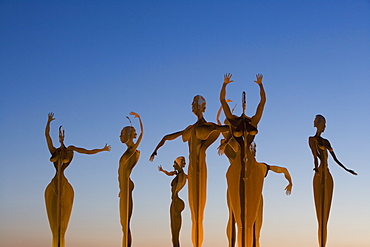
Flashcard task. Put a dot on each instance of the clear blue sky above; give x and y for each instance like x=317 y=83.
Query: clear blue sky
x=92 y=62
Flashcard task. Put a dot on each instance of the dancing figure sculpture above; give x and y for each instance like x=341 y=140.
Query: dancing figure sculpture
x=288 y=190
x=199 y=137
x=322 y=180
x=245 y=178
x=177 y=205
x=59 y=193
x=127 y=162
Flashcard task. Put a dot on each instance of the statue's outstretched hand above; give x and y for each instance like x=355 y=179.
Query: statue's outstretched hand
x=134 y=114
x=288 y=189
x=351 y=171
x=227 y=78
x=152 y=156
x=50 y=117
x=259 y=79
x=107 y=148
x=221 y=148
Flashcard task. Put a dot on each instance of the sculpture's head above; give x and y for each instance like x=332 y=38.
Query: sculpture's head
x=244 y=102
x=179 y=161
x=127 y=133
x=198 y=105
x=320 y=123
x=61 y=135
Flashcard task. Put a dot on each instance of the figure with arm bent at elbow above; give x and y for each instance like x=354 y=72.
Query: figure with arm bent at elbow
x=288 y=190
x=127 y=163
x=59 y=193
x=243 y=129
x=177 y=205
x=199 y=137
x=322 y=181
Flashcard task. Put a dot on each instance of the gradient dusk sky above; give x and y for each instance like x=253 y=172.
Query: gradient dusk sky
x=93 y=62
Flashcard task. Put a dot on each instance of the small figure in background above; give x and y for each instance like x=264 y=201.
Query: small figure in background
x=177 y=205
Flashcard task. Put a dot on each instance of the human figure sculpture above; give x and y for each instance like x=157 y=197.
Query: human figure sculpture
x=126 y=163
x=199 y=137
x=288 y=189
x=59 y=193
x=322 y=180
x=247 y=190
x=177 y=205
x=231 y=149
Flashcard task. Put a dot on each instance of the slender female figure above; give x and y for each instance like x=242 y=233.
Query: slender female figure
x=231 y=149
x=199 y=137
x=177 y=205
x=288 y=190
x=126 y=163
x=322 y=180
x=243 y=129
x=59 y=193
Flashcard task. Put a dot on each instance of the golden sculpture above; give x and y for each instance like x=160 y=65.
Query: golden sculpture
x=199 y=137
x=59 y=193
x=177 y=205
x=126 y=163
x=288 y=189
x=245 y=177
x=322 y=180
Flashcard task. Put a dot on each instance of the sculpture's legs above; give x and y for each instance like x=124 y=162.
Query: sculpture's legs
x=234 y=197
x=59 y=215
x=177 y=206
x=258 y=225
x=253 y=188
x=323 y=192
x=126 y=205
x=197 y=177
x=230 y=229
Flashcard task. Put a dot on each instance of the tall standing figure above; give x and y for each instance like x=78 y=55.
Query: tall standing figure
x=199 y=137
x=245 y=177
x=177 y=205
x=322 y=180
x=59 y=193
x=126 y=163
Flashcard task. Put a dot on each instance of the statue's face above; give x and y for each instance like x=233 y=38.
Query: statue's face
x=319 y=123
x=198 y=105
x=127 y=133
x=179 y=162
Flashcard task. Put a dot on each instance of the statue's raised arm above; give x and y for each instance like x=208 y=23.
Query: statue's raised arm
x=257 y=116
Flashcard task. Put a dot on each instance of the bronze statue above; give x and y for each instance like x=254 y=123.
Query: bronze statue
x=126 y=163
x=199 y=137
x=322 y=180
x=59 y=193
x=288 y=190
x=177 y=205
x=245 y=193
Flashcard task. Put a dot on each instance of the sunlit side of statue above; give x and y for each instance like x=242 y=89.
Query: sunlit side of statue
x=199 y=137
x=126 y=163
x=244 y=195
x=59 y=193
x=322 y=180
x=177 y=205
